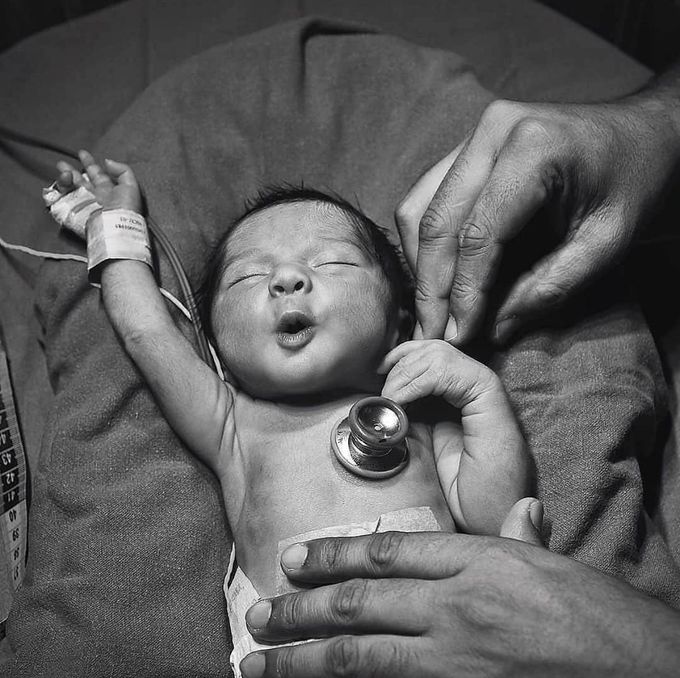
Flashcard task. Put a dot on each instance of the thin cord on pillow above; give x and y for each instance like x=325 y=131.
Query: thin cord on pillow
x=79 y=258
x=156 y=231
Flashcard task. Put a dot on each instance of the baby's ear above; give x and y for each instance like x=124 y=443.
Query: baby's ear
x=404 y=326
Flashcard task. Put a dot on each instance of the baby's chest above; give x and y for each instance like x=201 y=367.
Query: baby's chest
x=295 y=473
x=309 y=453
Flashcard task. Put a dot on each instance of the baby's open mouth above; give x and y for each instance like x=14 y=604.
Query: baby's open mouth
x=294 y=330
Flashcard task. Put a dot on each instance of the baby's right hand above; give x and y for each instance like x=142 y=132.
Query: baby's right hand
x=114 y=186
x=74 y=198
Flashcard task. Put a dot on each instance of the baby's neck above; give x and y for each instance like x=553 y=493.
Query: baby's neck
x=299 y=412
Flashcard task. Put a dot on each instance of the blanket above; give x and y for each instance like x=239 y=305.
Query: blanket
x=128 y=544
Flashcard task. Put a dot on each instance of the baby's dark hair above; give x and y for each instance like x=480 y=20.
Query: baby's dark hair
x=371 y=236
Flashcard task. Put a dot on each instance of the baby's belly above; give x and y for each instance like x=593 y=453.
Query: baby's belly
x=297 y=492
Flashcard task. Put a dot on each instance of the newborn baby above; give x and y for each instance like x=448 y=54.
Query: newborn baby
x=308 y=308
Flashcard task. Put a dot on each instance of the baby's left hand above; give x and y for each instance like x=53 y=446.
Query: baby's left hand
x=484 y=471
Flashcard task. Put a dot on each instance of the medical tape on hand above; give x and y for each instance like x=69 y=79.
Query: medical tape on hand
x=71 y=210
x=116 y=234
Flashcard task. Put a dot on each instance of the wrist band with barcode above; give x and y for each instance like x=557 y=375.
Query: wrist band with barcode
x=116 y=234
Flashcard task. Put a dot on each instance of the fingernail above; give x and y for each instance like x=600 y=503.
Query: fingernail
x=451 y=331
x=293 y=558
x=504 y=328
x=536 y=514
x=418 y=331
x=253 y=665
x=258 y=615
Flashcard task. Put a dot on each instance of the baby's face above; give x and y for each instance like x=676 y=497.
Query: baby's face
x=302 y=308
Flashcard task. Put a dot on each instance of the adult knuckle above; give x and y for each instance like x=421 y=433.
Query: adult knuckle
x=530 y=130
x=425 y=291
x=391 y=659
x=464 y=288
x=333 y=554
x=487 y=608
x=290 y=609
x=347 y=601
x=475 y=236
x=422 y=292
x=435 y=225
x=285 y=662
x=395 y=659
x=550 y=293
x=497 y=111
x=342 y=657
x=384 y=550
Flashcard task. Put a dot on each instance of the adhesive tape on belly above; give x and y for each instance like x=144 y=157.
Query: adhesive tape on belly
x=116 y=234
x=71 y=210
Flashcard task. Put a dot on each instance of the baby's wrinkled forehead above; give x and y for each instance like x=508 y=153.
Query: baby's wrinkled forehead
x=308 y=223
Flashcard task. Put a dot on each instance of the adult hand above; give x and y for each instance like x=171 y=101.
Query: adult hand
x=437 y=605
x=600 y=167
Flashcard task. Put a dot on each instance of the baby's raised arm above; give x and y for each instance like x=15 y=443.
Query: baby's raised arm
x=194 y=400
x=482 y=462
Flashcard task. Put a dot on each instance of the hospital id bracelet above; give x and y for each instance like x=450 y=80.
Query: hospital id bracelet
x=116 y=234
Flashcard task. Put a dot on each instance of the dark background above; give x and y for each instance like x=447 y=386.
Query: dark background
x=648 y=30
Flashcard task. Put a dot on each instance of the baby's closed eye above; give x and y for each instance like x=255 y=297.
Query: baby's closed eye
x=252 y=276
x=335 y=263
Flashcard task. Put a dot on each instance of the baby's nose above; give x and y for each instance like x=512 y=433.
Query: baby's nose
x=289 y=279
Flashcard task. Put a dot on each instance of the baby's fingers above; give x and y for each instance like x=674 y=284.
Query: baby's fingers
x=399 y=352
x=65 y=183
x=96 y=174
x=121 y=173
x=410 y=380
x=433 y=367
x=69 y=177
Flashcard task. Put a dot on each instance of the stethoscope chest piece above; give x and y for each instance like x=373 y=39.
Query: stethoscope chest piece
x=371 y=440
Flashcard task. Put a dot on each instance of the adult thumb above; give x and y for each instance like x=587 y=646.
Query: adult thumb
x=524 y=521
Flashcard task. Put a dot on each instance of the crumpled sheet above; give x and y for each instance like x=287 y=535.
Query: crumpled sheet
x=128 y=544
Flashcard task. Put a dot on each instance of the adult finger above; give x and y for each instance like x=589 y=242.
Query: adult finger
x=595 y=246
x=375 y=656
x=400 y=606
x=420 y=555
x=410 y=210
x=516 y=188
x=439 y=225
x=524 y=521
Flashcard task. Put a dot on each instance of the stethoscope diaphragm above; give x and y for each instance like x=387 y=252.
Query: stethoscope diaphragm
x=371 y=440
